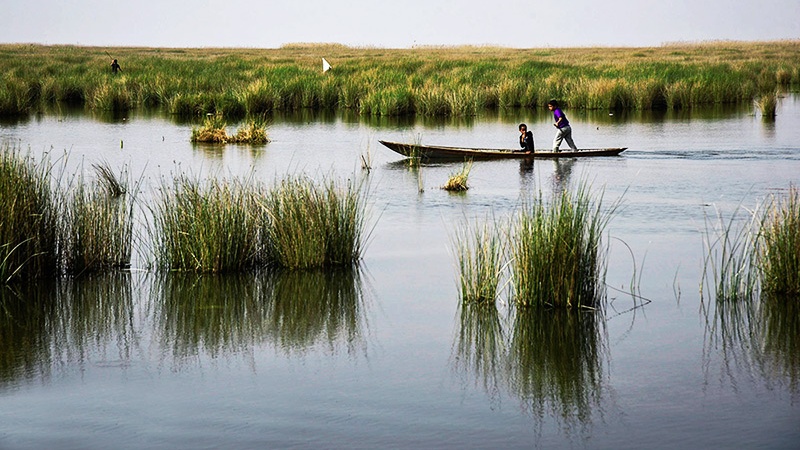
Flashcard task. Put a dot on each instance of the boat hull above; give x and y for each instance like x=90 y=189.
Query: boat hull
x=459 y=153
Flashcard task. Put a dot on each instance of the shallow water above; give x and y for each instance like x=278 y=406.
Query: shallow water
x=385 y=357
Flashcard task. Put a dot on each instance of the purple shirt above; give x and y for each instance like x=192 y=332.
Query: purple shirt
x=558 y=113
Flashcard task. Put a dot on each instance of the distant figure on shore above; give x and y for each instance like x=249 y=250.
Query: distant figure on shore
x=525 y=139
x=115 y=67
x=564 y=130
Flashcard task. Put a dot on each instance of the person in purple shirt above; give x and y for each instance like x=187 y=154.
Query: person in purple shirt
x=564 y=130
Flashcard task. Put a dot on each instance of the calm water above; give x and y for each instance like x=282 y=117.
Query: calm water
x=384 y=357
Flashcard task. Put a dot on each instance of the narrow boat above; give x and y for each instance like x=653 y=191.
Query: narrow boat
x=453 y=153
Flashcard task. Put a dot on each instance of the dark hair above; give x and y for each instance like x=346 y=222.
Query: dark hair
x=522 y=125
x=554 y=103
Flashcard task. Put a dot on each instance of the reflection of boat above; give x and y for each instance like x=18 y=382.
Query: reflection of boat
x=443 y=152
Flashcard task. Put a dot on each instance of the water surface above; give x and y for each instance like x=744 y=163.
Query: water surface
x=384 y=356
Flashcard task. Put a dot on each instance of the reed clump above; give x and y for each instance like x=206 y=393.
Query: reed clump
x=208 y=227
x=314 y=225
x=458 y=181
x=767 y=103
x=554 y=253
x=779 y=249
x=220 y=226
x=99 y=223
x=213 y=131
x=480 y=251
x=30 y=228
x=557 y=258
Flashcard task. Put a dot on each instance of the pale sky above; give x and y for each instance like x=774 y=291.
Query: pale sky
x=396 y=24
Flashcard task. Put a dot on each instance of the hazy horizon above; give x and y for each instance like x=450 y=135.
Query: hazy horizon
x=413 y=23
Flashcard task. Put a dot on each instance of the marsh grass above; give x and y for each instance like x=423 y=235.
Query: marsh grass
x=480 y=250
x=445 y=81
x=458 y=181
x=99 y=223
x=30 y=229
x=557 y=257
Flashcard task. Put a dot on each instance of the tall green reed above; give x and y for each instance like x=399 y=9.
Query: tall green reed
x=480 y=251
x=210 y=226
x=30 y=229
x=557 y=253
x=315 y=225
x=779 y=246
x=99 y=222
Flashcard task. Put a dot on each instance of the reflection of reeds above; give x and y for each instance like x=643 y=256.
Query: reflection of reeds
x=552 y=360
x=556 y=362
x=317 y=308
x=30 y=211
x=780 y=322
x=480 y=251
x=556 y=251
x=217 y=313
x=481 y=346
x=294 y=311
x=25 y=336
x=45 y=327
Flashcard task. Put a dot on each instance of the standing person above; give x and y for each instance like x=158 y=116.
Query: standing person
x=564 y=130
x=115 y=67
x=525 y=138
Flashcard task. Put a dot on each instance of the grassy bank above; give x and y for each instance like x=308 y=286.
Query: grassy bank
x=423 y=81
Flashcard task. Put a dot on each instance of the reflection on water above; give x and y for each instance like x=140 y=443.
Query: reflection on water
x=561 y=175
x=552 y=361
x=72 y=324
x=761 y=336
x=780 y=320
x=480 y=346
x=45 y=327
x=294 y=310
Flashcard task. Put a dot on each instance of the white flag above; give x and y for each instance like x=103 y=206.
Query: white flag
x=326 y=66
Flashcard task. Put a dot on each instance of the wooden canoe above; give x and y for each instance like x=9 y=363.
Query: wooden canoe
x=460 y=153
